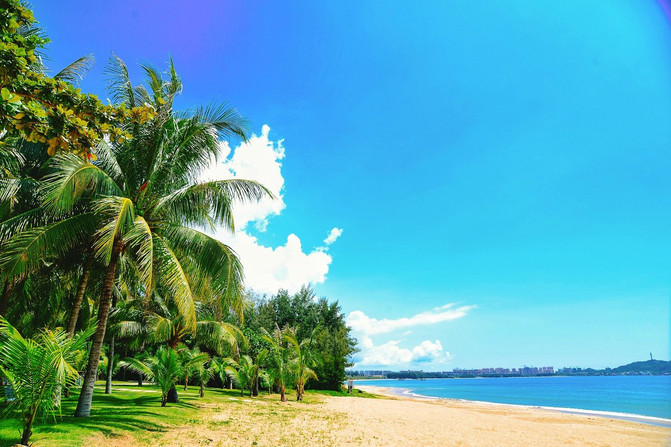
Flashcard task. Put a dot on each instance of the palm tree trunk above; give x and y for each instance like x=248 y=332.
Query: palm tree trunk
x=110 y=368
x=86 y=395
x=202 y=389
x=300 y=389
x=4 y=298
x=77 y=304
x=173 y=398
x=79 y=296
x=283 y=397
x=256 y=386
x=27 y=432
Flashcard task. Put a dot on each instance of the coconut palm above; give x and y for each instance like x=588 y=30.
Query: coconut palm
x=204 y=374
x=165 y=368
x=242 y=372
x=143 y=198
x=218 y=366
x=21 y=163
x=192 y=360
x=37 y=369
x=159 y=321
x=303 y=359
x=279 y=355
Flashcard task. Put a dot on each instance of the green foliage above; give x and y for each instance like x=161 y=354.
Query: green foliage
x=317 y=320
x=644 y=367
x=242 y=372
x=192 y=361
x=137 y=205
x=304 y=357
x=204 y=374
x=37 y=369
x=45 y=109
x=165 y=368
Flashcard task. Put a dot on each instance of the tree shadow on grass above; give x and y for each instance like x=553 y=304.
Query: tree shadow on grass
x=111 y=415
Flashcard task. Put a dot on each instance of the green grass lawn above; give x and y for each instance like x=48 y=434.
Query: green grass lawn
x=136 y=411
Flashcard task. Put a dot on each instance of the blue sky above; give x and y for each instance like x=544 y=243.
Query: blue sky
x=510 y=158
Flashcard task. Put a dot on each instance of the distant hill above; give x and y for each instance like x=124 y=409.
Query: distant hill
x=648 y=366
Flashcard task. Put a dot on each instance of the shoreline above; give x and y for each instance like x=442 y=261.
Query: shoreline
x=405 y=393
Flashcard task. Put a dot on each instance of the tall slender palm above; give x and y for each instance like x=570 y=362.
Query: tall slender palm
x=280 y=356
x=303 y=359
x=144 y=199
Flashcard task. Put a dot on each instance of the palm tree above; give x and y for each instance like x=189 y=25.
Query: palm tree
x=165 y=368
x=280 y=356
x=302 y=360
x=219 y=365
x=142 y=197
x=204 y=374
x=158 y=321
x=21 y=162
x=38 y=369
x=269 y=375
x=242 y=372
x=192 y=360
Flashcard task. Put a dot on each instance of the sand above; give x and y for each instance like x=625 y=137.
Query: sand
x=456 y=423
x=396 y=421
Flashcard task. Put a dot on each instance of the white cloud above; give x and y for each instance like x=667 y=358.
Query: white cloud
x=267 y=269
x=287 y=266
x=392 y=354
x=333 y=235
x=258 y=159
x=362 y=323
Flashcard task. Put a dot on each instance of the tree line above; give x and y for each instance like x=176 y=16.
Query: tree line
x=105 y=269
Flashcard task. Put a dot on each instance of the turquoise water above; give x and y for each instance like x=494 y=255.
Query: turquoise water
x=642 y=395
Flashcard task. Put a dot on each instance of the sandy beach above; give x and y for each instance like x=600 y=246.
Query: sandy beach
x=457 y=423
x=395 y=421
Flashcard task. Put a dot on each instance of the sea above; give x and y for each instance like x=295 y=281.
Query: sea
x=627 y=397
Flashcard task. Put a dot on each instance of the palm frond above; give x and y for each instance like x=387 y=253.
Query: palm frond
x=77 y=70
x=8 y=188
x=213 y=333
x=118 y=82
x=25 y=251
x=175 y=83
x=137 y=366
x=175 y=280
x=38 y=368
x=213 y=261
x=70 y=179
x=214 y=199
x=120 y=215
x=140 y=240
x=32 y=218
x=108 y=162
x=155 y=81
x=225 y=119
